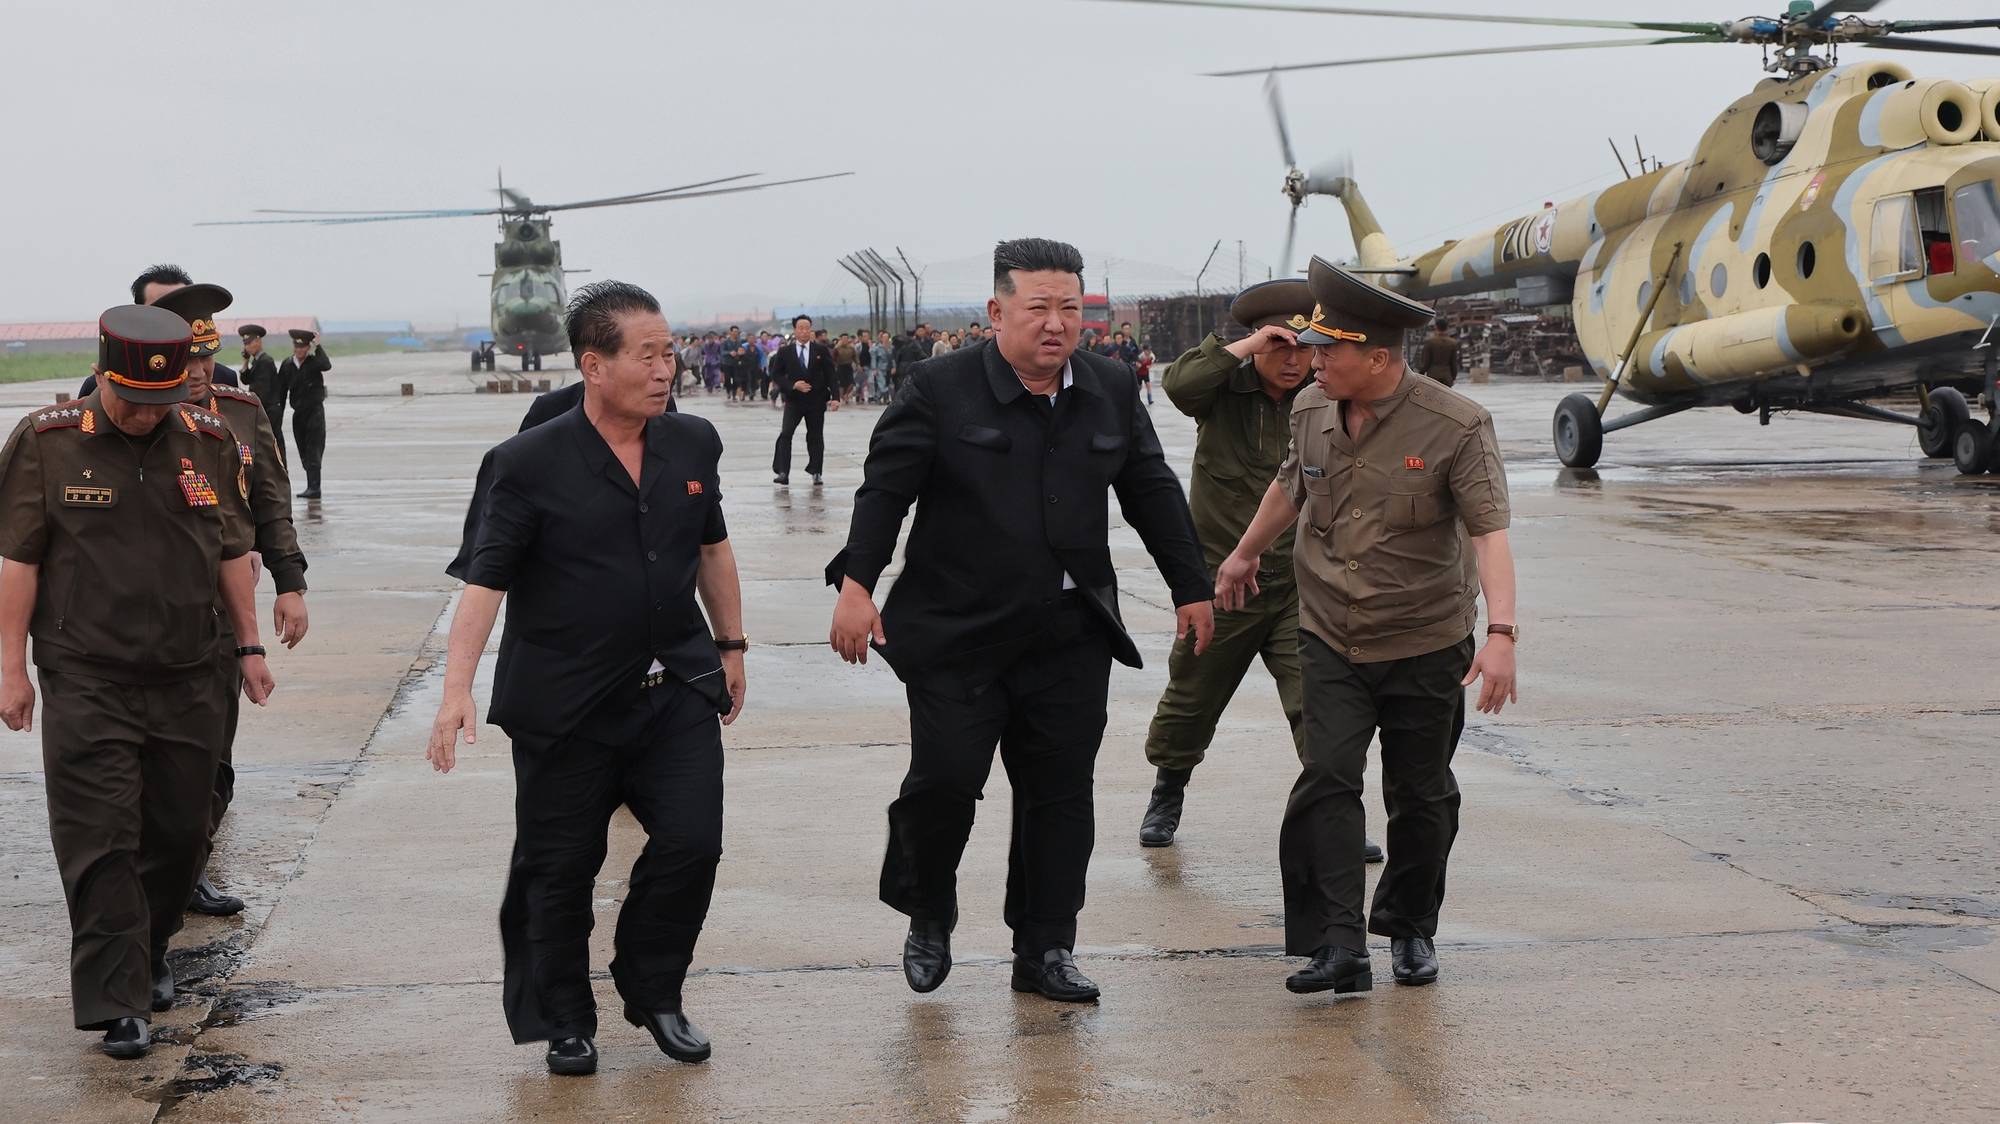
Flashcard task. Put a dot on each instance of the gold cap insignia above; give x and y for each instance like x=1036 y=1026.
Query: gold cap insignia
x=157 y=363
x=1297 y=323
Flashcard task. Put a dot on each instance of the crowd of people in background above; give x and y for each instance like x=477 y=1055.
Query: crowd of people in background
x=866 y=370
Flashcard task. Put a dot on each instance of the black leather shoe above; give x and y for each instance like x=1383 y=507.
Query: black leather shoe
x=676 y=1037
x=817 y=482
x=927 y=955
x=782 y=478
x=128 y=1038
x=572 y=1057
x=1370 y=852
x=310 y=493
x=1414 y=960
x=1054 y=976
x=213 y=902
x=1163 y=811
x=163 y=983
x=1339 y=970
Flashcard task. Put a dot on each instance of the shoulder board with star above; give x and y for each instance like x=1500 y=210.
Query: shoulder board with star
x=199 y=420
x=69 y=415
x=236 y=392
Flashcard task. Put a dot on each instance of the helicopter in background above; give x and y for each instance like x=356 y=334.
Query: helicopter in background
x=1834 y=237
x=528 y=288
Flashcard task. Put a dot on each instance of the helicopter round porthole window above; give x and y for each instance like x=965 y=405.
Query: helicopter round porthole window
x=1760 y=273
x=1718 y=281
x=1645 y=293
x=1808 y=258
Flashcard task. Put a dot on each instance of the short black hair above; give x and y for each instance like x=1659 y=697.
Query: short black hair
x=162 y=274
x=1033 y=255
x=592 y=315
x=799 y=317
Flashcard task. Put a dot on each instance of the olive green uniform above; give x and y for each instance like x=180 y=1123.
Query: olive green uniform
x=1241 y=437
x=1388 y=596
x=129 y=534
x=1437 y=357
x=277 y=540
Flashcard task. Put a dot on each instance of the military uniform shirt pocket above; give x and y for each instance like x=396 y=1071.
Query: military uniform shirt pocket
x=1414 y=503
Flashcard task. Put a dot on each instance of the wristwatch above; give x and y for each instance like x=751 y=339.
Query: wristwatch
x=1511 y=632
x=740 y=644
x=250 y=650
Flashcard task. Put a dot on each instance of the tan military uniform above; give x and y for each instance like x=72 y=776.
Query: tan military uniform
x=129 y=534
x=277 y=540
x=1437 y=357
x=1388 y=592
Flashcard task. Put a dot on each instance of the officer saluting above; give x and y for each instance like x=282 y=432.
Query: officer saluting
x=133 y=503
x=303 y=377
x=1390 y=477
x=260 y=377
x=277 y=541
x=1240 y=395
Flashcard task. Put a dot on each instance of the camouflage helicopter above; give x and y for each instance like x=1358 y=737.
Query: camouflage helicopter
x=528 y=292
x=1835 y=237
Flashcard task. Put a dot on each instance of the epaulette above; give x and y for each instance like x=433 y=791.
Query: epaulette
x=1441 y=399
x=1311 y=398
x=236 y=392
x=199 y=420
x=69 y=415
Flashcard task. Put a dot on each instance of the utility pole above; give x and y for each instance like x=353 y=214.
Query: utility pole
x=1199 y=330
x=1239 y=265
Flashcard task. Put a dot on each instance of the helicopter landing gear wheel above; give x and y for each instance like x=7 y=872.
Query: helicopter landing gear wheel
x=1972 y=447
x=475 y=361
x=1579 y=431
x=1939 y=423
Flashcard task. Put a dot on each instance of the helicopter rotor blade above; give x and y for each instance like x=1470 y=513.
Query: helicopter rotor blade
x=329 y=218
x=1898 y=43
x=1703 y=28
x=1832 y=7
x=637 y=196
x=1278 y=118
x=696 y=194
x=1526 y=49
x=1291 y=231
x=1941 y=25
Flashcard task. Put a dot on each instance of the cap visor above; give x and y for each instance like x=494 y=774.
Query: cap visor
x=1313 y=337
x=139 y=397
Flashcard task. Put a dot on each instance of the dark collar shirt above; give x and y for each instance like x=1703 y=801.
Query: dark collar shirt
x=599 y=573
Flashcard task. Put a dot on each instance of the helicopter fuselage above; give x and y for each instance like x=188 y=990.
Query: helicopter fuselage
x=1835 y=235
x=528 y=291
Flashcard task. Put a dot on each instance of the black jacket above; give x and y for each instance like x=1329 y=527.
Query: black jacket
x=223 y=376
x=600 y=576
x=784 y=371
x=560 y=401
x=1009 y=497
x=260 y=377
x=305 y=386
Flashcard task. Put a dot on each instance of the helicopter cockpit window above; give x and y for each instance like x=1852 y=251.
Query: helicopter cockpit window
x=1934 y=225
x=1978 y=208
x=1895 y=249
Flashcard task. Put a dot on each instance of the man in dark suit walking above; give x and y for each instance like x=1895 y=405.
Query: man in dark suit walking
x=1005 y=620
x=603 y=525
x=303 y=375
x=804 y=368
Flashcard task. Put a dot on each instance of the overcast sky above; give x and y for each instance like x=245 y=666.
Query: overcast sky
x=965 y=123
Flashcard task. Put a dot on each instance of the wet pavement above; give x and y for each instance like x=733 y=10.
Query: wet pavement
x=1731 y=858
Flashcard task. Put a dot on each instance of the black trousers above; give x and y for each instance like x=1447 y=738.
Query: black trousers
x=665 y=764
x=1046 y=711
x=814 y=415
x=309 y=432
x=1419 y=707
x=229 y=680
x=276 y=412
x=130 y=772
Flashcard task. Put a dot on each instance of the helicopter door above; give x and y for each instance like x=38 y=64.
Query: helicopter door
x=1895 y=257
x=1978 y=210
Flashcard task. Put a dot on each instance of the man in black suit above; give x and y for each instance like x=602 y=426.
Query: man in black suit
x=260 y=377
x=603 y=525
x=303 y=375
x=1005 y=620
x=804 y=368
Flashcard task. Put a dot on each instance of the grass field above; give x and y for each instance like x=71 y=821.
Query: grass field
x=73 y=365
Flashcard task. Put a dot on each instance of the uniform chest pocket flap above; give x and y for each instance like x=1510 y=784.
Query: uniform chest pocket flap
x=1415 y=502
x=985 y=437
x=1108 y=443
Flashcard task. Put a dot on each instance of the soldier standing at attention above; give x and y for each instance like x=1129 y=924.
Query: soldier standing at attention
x=133 y=503
x=1437 y=356
x=276 y=539
x=1390 y=478
x=1240 y=395
x=303 y=377
x=260 y=377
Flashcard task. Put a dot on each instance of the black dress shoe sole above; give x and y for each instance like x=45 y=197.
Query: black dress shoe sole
x=918 y=987
x=216 y=907
x=126 y=1051
x=1374 y=856
x=1339 y=985
x=572 y=1067
x=1145 y=842
x=1417 y=981
x=667 y=1048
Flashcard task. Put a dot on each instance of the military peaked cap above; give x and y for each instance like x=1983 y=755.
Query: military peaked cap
x=1348 y=307
x=1287 y=301
x=197 y=304
x=143 y=352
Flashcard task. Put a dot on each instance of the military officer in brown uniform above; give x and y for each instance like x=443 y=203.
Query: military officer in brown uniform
x=277 y=541
x=1240 y=395
x=1397 y=490
x=132 y=504
x=1437 y=356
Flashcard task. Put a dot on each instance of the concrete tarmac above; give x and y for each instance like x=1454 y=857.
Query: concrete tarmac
x=1732 y=857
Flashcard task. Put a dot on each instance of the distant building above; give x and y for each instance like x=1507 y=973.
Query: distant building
x=81 y=335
